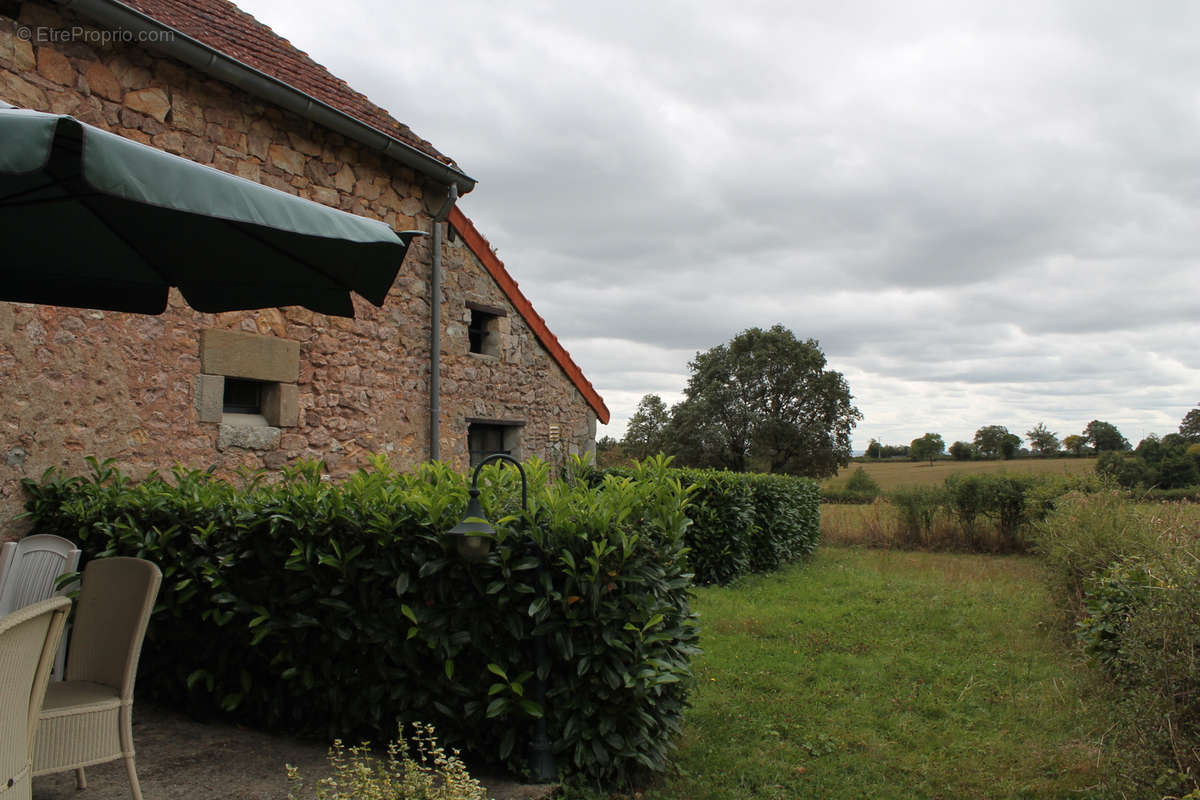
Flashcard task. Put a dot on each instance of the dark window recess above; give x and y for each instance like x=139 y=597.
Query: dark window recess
x=242 y=396
x=484 y=439
x=482 y=333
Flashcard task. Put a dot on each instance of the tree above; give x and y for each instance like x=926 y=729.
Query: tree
x=995 y=440
x=609 y=452
x=1074 y=444
x=646 y=434
x=962 y=451
x=1044 y=442
x=928 y=446
x=876 y=450
x=1150 y=449
x=1189 y=429
x=1126 y=469
x=765 y=399
x=1104 y=436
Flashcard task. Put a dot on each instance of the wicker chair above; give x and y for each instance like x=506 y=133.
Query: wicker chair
x=88 y=718
x=30 y=567
x=28 y=640
x=28 y=571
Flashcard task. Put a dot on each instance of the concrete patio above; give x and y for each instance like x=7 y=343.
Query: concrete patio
x=180 y=759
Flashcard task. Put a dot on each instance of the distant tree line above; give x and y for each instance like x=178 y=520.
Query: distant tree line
x=1163 y=462
x=1167 y=462
x=763 y=402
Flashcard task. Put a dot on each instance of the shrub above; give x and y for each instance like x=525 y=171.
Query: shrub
x=359 y=775
x=787 y=520
x=279 y=604
x=720 y=537
x=1006 y=502
x=1159 y=660
x=744 y=521
x=1169 y=464
x=1130 y=577
x=1083 y=537
x=967 y=499
x=1110 y=600
x=1125 y=469
x=860 y=482
x=1178 y=470
x=917 y=506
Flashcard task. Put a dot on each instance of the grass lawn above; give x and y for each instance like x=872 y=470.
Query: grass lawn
x=887 y=674
x=894 y=474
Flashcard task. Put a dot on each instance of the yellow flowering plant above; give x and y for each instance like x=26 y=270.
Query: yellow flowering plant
x=423 y=772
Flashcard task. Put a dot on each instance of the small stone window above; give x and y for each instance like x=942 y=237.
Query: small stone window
x=483 y=331
x=247 y=385
x=242 y=396
x=485 y=437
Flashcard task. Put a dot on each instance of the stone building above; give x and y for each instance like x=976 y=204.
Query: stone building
x=205 y=81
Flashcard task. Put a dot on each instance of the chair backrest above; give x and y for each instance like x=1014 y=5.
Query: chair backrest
x=28 y=640
x=111 y=615
x=32 y=566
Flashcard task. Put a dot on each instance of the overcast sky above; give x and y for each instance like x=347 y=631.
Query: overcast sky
x=987 y=214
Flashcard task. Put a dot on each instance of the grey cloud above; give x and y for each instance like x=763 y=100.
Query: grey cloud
x=984 y=212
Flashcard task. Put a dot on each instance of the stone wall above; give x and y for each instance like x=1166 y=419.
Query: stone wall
x=76 y=382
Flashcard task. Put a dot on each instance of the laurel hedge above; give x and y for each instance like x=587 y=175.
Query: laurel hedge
x=337 y=609
x=744 y=522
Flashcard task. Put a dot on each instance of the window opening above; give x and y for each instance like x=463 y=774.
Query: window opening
x=242 y=396
x=484 y=439
x=482 y=333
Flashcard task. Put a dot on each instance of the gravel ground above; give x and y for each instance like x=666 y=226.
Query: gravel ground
x=179 y=759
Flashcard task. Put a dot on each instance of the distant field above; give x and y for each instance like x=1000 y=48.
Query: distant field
x=894 y=474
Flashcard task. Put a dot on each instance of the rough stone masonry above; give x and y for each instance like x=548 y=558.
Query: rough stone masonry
x=78 y=382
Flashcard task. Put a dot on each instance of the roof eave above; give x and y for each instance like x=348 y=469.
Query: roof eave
x=208 y=59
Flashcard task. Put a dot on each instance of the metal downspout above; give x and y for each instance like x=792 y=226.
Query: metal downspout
x=435 y=327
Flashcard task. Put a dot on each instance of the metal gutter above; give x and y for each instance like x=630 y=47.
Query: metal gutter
x=435 y=326
x=179 y=45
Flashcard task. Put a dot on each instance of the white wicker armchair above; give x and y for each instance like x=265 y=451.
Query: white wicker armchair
x=29 y=570
x=88 y=718
x=30 y=567
x=28 y=640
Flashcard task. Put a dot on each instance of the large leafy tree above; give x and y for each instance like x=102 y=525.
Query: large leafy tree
x=765 y=400
x=1074 y=443
x=1104 y=436
x=995 y=440
x=1189 y=429
x=928 y=447
x=962 y=451
x=646 y=433
x=1042 y=439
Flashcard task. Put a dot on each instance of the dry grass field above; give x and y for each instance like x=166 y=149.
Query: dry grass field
x=895 y=474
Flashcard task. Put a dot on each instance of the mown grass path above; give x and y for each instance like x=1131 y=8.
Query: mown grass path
x=887 y=674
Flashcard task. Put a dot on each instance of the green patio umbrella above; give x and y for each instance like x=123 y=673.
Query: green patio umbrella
x=93 y=220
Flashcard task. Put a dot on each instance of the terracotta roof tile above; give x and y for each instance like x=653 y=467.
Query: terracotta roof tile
x=478 y=245
x=226 y=28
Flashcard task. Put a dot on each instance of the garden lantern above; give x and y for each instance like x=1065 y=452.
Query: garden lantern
x=474 y=534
